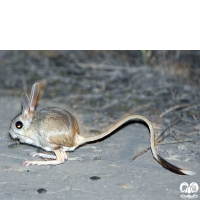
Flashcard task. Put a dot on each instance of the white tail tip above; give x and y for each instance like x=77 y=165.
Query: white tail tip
x=188 y=172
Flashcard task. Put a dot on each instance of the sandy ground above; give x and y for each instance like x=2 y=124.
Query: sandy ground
x=103 y=171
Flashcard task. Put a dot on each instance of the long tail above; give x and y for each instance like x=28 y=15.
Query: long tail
x=159 y=159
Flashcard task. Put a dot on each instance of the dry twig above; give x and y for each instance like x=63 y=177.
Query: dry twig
x=157 y=140
x=172 y=109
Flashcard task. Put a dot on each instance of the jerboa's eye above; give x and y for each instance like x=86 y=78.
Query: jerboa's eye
x=19 y=124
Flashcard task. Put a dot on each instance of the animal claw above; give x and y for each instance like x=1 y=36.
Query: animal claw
x=26 y=163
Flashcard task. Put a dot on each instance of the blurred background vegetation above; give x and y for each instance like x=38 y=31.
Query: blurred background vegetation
x=19 y=69
x=105 y=85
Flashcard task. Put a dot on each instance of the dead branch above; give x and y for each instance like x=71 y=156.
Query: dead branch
x=173 y=108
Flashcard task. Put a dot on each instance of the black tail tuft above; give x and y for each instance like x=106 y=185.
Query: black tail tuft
x=173 y=168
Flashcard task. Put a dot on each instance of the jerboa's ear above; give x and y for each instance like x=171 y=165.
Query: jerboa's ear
x=34 y=96
x=25 y=107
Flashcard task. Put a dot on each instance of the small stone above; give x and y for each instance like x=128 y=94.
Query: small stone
x=97 y=158
x=14 y=146
x=27 y=170
x=94 y=178
x=124 y=186
x=41 y=190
